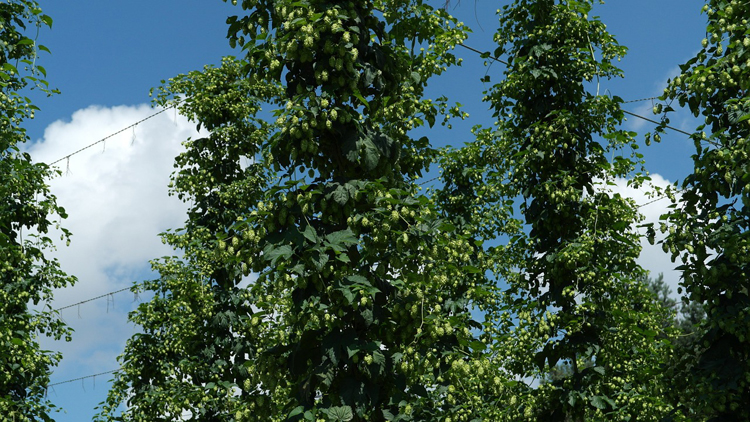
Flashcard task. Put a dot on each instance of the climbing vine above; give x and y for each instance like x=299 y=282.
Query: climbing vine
x=317 y=282
x=575 y=300
x=707 y=231
x=27 y=213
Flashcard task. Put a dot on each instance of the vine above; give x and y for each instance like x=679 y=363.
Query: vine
x=708 y=228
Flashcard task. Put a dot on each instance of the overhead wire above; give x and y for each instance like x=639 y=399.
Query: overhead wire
x=641 y=99
x=106 y=295
x=67 y=157
x=484 y=53
x=468 y=47
x=487 y=55
x=82 y=378
x=654 y=121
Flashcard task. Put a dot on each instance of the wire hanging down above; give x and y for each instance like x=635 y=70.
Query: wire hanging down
x=82 y=378
x=106 y=295
x=67 y=157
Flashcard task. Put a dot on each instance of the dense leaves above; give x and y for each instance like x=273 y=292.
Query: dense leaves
x=708 y=229
x=316 y=282
x=358 y=303
x=197 y=329
x=576 y=294
x=27 y=207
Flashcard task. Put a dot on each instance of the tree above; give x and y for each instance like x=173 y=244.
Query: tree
x=683 y=327
x=359 y=307
x=708 y=228
x=317 y=282
x=27 y=207
x=685 y=316
x=576 y=294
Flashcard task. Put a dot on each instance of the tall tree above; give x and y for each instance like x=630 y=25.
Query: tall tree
x=27 y=207
x=577 y=294
x=358 y=308
x=708 y=228
x=198 y=329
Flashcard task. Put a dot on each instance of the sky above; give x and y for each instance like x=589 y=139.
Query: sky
x=106 y=56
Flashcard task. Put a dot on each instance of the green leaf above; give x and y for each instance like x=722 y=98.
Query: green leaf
x=343 y=258
x=342 y=237
x=321 y=261
x=470 y=269
x=348 y=294
x=599 y=402
x=573 y=398
x=477 y=345
x=273 y=254
x=370 y=153
x=430 y=119
x=310 y=234
x=296 y=411
x=9 y=68
x=340 y=414
x=358 y=280
x=341 y=195
x=362 y=99
x=387 y=415
x=352 y=350
x=378 y=357
x=368 y=317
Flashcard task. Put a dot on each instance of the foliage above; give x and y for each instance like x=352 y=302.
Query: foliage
x=576 y=292
x=26 y=208
x=196 y=328
x=708 y=228
x=317 y=282
x=359 y=304
x=684 y=316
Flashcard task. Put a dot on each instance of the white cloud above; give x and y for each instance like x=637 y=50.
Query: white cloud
x=115 y=194
x=652 y=257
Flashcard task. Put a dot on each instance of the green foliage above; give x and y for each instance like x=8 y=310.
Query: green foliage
x=684 y=316
x=576 y=292
x=198 y=329
x=317 y=283
x=26 y=207
x=358 y=306
x=708 y=228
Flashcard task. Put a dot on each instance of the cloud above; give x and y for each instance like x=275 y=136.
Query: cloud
x=115 y=194
x=652 y=257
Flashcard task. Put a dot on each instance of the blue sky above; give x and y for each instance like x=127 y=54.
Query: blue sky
x=107 y=55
